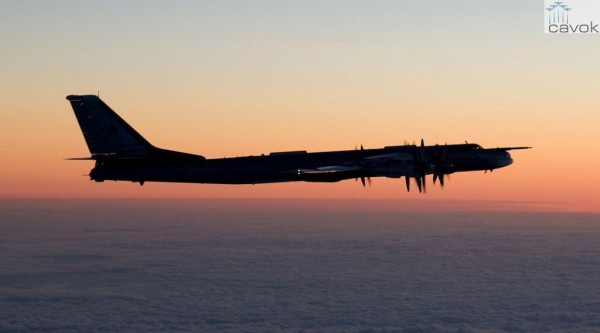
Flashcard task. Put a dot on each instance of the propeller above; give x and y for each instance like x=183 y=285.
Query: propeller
x=364 y=180
x=441 y=165
x=437 y=164
x=421 y=183
x=420 y=169
x=441 y=176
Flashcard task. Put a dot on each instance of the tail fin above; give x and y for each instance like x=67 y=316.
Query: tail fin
x=107 y=135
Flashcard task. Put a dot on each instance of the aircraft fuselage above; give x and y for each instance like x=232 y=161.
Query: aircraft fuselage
x=290 y=166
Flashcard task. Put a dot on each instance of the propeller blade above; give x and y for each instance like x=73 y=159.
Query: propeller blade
x=424 y=184
x=362 y=180
x=419 y=184
x=407 y=178
x=369 y=181
x=439 y=176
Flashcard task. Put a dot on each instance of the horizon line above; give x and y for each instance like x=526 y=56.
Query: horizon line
x=371 y=203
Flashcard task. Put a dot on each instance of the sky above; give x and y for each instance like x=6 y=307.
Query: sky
x=236 y=78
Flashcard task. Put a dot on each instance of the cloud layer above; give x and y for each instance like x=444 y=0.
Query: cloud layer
x=109 y=266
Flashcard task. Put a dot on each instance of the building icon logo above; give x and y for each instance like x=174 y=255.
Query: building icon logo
x=576 y=17
x=559 y=13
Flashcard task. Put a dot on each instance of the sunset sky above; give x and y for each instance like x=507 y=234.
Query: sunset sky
x=235 y=78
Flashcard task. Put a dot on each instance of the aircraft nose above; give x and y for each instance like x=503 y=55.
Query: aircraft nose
x=497 y=159
x=506 y=161
x=503 y=159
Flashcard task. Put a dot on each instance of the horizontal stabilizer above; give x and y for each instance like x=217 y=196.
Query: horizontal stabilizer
x=79 y=159
x=104 y=157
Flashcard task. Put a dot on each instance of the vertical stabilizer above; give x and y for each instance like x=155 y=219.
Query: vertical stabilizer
x=106 y=134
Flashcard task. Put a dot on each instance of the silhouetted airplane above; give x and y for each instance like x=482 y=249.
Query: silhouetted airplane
x=121 y=153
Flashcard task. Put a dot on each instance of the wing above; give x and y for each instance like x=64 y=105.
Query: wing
x=332 y=173
x=329 y=170
x=391 y=165
x=386 y=158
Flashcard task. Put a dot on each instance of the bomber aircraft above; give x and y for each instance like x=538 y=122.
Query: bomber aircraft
x=121 y=153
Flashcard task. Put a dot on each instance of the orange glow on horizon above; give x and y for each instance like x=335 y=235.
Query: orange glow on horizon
x=258 y=81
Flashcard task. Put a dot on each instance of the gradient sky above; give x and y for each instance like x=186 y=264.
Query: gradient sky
x=234 y=78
